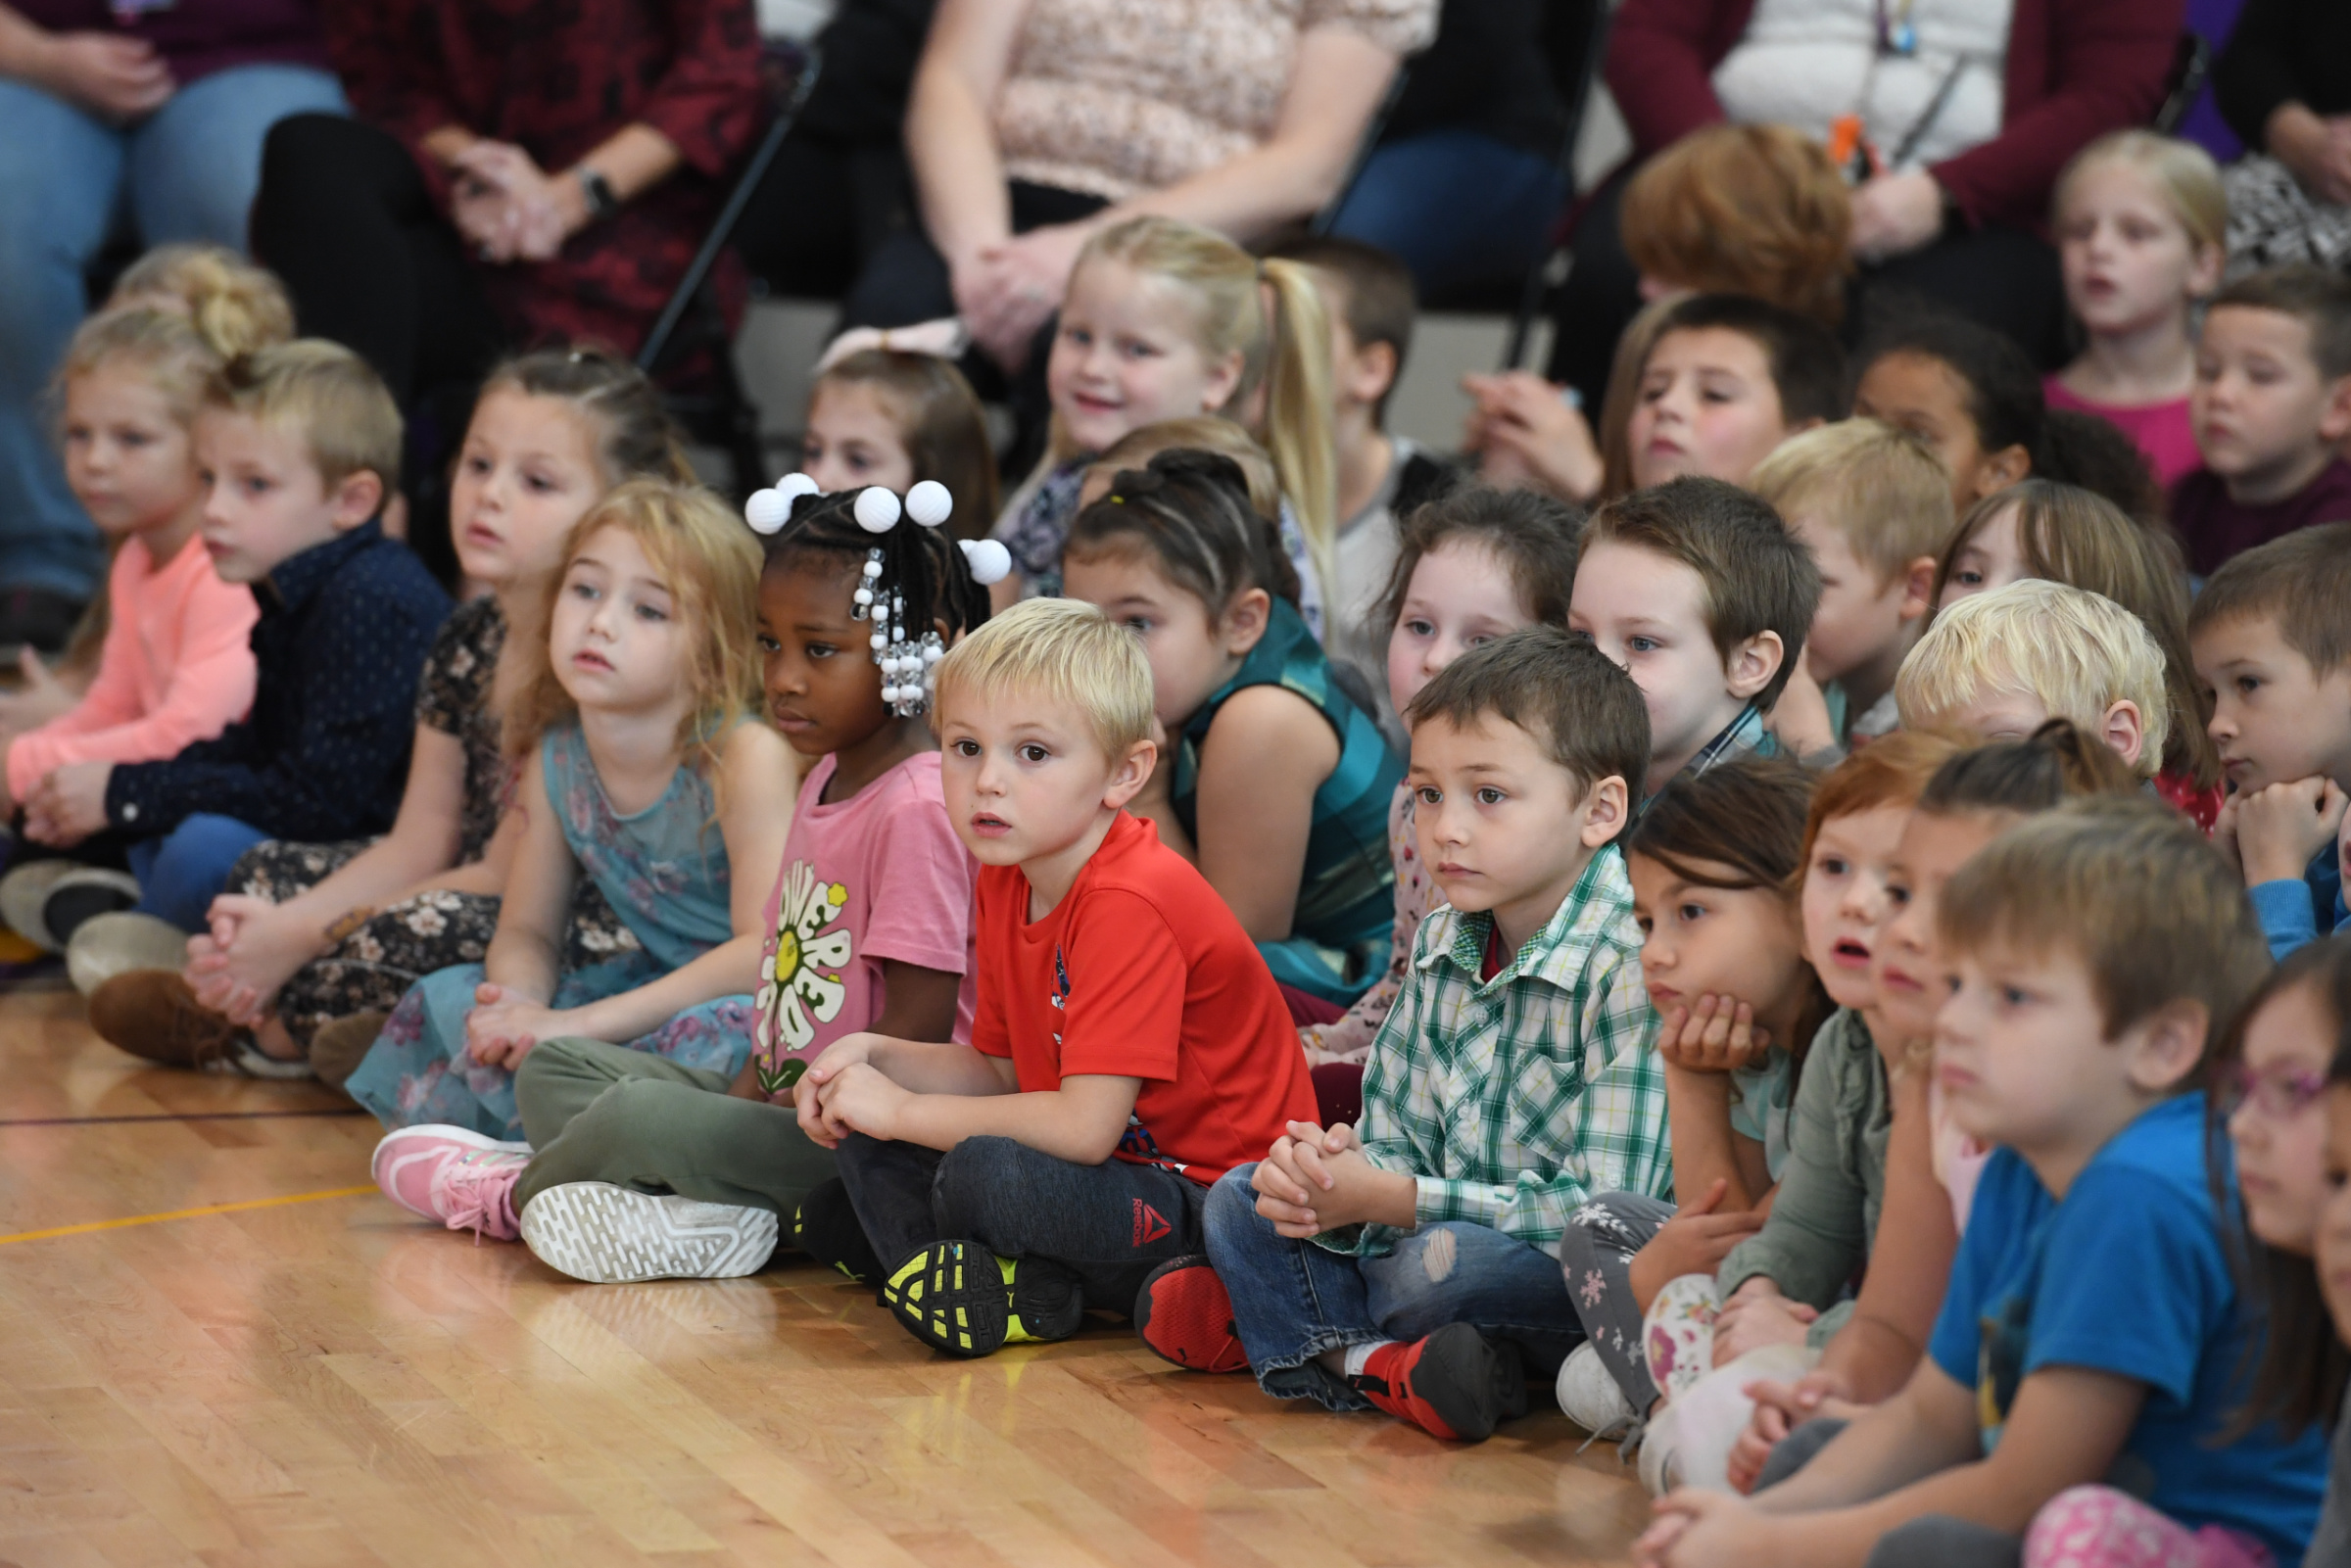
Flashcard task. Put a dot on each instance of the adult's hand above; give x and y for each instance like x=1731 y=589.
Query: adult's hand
x=114 y=78
x=1009 y=289
x=2316 y=150
x=511 y=209
x=1528 y=435
x=1895 y=215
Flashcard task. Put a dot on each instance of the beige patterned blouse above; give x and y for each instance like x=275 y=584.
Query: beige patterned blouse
x=1113 y=97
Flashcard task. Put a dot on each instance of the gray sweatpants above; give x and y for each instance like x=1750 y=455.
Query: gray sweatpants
x=1596 y=1253
x=602 y=1112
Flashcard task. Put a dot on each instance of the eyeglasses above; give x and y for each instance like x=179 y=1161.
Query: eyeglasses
x=2280 y=1096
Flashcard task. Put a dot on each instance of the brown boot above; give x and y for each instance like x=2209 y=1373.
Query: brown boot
x=342 y=1044
x=152 y=1013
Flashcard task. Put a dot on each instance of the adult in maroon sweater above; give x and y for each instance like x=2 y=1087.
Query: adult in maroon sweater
x=520 y=170
x=1965 y=229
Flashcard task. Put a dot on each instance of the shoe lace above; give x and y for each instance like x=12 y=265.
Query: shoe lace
x=474 y=1193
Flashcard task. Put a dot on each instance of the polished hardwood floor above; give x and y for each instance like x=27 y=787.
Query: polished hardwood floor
x=218 y=1346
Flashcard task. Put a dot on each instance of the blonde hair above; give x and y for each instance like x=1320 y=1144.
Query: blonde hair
x=710 y=561
x=236 y=305
x=1286 y=353
x=339 y=408
x=2076 y=651
x=1059 y=650
x=1754 y=210
x=1201 y=433
x=2071 y=534
x=1879 y=487
x=2183 y=173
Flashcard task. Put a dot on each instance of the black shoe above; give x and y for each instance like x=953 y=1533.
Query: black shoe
x=826 y=1228
x=37 y=617
x=83 y=895
x=960 y=1297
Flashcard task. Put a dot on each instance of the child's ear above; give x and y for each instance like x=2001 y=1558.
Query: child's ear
x=1752 y=664
x=1245 y=621
x=1223 y=377
x=1918 y=588
x=2334 y=423
x=1129 y=774
x=2166 y=1046
x=1374 y=374
x=359 y=497
x=2204 y=272
x=1606 y=811
x=2124 y=730
x=1997 y=470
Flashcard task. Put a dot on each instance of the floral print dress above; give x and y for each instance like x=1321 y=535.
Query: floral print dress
x=379 y=953
x=663 y=871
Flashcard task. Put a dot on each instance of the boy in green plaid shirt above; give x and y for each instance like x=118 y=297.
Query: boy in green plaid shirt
x=1415 y=1268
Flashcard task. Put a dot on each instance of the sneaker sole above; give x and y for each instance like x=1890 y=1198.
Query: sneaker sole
x=607 y=1235
x=1183 y=1314
x=1470 y=1393
x=116 y=943
x=23 y=893
x=388 y=1152
x=950 y=1296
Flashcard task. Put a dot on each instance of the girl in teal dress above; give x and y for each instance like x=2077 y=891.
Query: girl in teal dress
x=1274 y=780
x=658 y=785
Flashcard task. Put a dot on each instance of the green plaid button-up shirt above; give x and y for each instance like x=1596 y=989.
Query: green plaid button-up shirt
x=1515 y=1100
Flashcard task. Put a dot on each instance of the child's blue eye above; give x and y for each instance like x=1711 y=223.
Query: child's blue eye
x=586 y=590
x=1138 y=624
x=1641 y=644
x=1419 y=628
x=647 y=612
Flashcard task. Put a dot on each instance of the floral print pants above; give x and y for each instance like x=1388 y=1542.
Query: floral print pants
x=376 y=961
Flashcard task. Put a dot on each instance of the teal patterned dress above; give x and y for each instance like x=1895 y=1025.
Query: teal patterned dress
x=665 y=872
x=1338 y=941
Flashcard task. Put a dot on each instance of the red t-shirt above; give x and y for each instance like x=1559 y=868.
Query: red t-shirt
x=1143 y=972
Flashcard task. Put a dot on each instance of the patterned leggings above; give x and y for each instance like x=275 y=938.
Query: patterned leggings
x=2098 y=1526
x=1597 y=1253
x=371 y=967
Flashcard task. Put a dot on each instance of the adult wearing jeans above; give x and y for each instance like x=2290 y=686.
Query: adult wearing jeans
x=163 y=115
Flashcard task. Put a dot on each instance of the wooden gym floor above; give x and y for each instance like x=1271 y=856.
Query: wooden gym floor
x=220 y=1346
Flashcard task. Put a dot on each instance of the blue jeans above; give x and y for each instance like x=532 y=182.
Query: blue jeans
x=1455 y=207
x=185 y=172
x=1292 y=1300
x=181 y=872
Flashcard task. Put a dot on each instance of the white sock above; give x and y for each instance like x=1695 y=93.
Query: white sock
x=1360 y=1356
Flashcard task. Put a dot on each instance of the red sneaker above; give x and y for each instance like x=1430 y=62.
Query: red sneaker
x=1452 y=1385
x=1185 y=1316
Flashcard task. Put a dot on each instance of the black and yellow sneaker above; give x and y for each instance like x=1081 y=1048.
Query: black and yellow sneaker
x=826 y=1228
x=960 y=1297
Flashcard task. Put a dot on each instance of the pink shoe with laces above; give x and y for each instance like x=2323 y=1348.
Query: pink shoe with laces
x=454 y=1176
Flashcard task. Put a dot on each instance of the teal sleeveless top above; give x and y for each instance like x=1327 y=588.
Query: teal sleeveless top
x=1338 y=942
x=663 y=869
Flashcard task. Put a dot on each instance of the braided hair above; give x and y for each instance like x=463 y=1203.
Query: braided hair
x=914 y=574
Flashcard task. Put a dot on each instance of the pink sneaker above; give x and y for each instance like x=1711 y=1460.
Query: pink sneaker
x=454 y=1176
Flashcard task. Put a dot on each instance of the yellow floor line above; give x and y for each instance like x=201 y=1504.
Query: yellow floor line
x=186 y=1213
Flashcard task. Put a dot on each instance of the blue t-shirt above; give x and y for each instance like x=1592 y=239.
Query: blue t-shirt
x=2126 y=1275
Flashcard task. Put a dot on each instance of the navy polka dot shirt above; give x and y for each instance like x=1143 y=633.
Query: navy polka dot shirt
x=324 y=753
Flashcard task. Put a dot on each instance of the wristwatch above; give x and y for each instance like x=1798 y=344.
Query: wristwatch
x=601 y=202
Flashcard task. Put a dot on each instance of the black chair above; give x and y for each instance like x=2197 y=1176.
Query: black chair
x=713 y=409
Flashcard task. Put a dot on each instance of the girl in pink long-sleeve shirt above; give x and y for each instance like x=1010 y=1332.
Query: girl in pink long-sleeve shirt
x=176 y=666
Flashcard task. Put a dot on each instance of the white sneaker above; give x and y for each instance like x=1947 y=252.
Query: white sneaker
x=107 y=945
x=1662 y=1467
x=23 y=893
x=1589 y=1396
x=609 y=1235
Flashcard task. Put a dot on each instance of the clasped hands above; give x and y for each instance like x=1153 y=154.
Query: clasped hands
x=2273 y=832
x=1316 y=1180
x=1005 y=291
x=508 y=208
x=70 y=805
x=505 y=1024
x=843 y=1092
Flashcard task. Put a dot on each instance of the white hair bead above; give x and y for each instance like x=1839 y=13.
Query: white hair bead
x=989 y=561
x=933 y=653
x=791 y=487
x=864 y=596
x=767 y=511
x=876 y=509
x=872 y=570
x=878 y=641
x=929 y=503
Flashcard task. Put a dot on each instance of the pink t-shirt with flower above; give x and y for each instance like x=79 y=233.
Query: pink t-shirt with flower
x=877 y=876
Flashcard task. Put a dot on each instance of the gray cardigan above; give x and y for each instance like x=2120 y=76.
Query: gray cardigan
x=1825 y=1219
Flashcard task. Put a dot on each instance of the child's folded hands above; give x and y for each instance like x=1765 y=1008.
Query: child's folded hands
x=1780 y=1409
x=857 y=1098
x=833 y=1060
x=1757 y=1315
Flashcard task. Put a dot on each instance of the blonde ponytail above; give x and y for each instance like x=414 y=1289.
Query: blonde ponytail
x=1297 y=422
x=1285 y=349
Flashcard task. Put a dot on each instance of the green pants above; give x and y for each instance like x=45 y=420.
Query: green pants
x=602 y=1112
